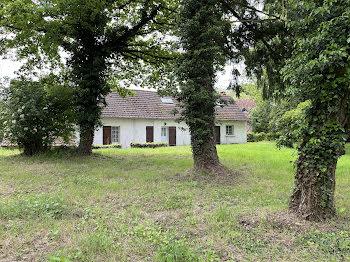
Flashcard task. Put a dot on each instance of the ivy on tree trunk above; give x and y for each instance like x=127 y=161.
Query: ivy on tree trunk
x=319 y=71
x=202 y=33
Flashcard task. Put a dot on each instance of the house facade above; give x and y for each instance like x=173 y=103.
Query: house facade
x=146 y=117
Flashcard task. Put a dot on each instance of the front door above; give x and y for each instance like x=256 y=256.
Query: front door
x=149 y=134
x=217 y=134
x=107 y=135
x=172 y=135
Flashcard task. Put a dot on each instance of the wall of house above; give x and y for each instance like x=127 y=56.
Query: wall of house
x=134 y=130
x=239 y=132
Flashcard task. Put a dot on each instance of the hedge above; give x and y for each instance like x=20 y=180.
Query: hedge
x=256 y=137
x=106 y=146
x=148 y=145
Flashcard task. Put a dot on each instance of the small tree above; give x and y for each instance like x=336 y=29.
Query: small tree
x=36 y=114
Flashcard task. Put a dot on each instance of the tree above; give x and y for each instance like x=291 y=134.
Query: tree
x=202 y=38
x=305 y=54
x=319 y=71
x=108 y=42
x=35 y=114
x=260 y=39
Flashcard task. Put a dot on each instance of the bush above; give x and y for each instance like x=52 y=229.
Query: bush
x=257 y=137
x=148 y=145
x=106 y=146
x=36 y=114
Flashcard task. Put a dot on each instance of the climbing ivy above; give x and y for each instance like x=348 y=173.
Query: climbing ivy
x=319 y=71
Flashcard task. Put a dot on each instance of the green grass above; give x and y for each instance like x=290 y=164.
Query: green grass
x=144 y=205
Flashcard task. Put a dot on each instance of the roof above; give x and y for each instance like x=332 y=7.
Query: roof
x=247 y=103
x=148 y=105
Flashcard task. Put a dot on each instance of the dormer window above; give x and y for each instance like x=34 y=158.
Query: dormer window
x=167 y=100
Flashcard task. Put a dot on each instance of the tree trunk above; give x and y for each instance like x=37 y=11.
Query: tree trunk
x=205 y=156
x=34 y=148
x=313 y=196
x=86 y=141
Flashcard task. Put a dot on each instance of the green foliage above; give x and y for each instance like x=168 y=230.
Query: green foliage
x=149 y=145
x=266 y=116
x=261 y=40
x=291 y=123
x=319 y=71
x=261 y=117
x=110 y=44
x=256 y=137
x=37 y=113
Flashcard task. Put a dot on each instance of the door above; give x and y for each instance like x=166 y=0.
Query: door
x=107 y=135
x=217 y=134
x=164 y=134
x=172 y=135
x=149 y=134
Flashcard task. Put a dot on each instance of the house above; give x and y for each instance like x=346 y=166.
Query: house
x=246 y=105
x=146 y=117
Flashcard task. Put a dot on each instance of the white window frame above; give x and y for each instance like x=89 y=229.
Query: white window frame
x=115 y=134
x=228 y=131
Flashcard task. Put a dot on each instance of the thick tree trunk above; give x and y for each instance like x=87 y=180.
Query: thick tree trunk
x=86 y=140
x=205 y=156
x=34 y=148
x=313 y=196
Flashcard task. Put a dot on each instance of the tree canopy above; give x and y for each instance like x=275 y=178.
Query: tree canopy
x=108 y=43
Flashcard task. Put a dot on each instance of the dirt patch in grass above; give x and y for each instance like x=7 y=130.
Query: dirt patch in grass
x=286 y=220
x=30 y=249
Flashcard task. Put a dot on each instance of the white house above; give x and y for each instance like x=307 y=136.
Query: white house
x=146 y=117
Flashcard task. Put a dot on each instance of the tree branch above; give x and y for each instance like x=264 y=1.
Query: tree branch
x=253 y=8
x=132 y=51
x=254 y=20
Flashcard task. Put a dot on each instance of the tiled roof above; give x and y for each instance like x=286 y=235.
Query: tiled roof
x=247 y=103
x=148 y=105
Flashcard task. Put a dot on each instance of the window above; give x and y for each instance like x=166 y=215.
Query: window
x=166 y=100
x=115 y=134
x=229 y=130
x=163 y=131
x=164 y=134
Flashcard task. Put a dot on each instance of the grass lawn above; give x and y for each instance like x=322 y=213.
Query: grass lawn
x=144 y=205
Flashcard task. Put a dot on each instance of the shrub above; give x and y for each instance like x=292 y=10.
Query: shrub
x=106 y=146
x=272 y=136
x=37 y=113
x=148 y=145
x=257 y=137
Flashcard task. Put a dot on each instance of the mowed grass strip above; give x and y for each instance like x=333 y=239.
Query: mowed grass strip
x=146 y=205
